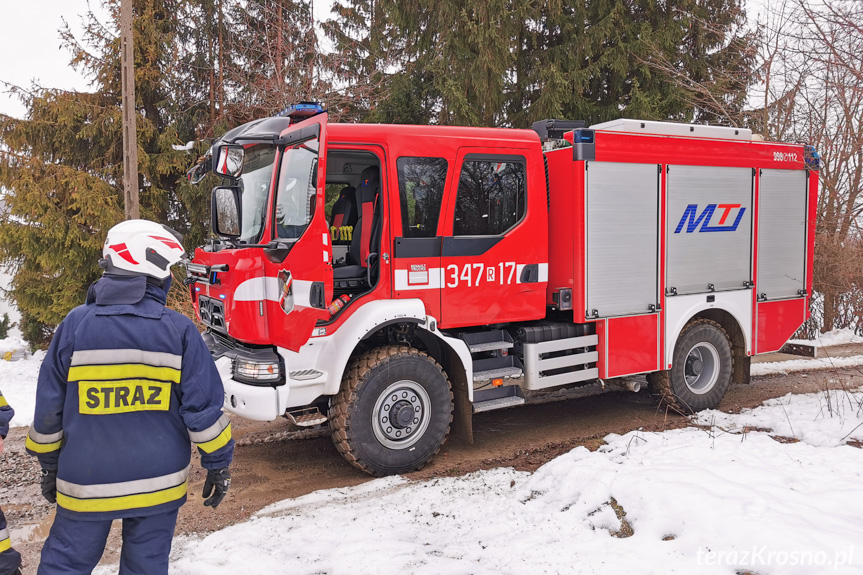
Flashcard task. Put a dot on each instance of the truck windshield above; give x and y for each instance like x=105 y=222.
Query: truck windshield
x=295 y=203
x=255 y=186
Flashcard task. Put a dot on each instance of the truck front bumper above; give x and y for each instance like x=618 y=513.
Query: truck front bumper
x=249 y=401
x=266 y=401
x=253 y=401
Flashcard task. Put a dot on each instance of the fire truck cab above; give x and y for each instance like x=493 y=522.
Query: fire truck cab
x=382 y=278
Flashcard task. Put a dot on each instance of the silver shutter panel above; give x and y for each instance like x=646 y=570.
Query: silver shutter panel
x=701 y=253
x=782 y=233
x=622 y=237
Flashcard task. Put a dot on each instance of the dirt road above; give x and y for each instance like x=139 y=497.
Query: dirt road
x=270 y=464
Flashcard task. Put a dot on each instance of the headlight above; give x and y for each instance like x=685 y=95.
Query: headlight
x=256 y=371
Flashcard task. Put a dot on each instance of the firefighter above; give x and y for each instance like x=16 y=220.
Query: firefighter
x=124 y=387
x=10 y=560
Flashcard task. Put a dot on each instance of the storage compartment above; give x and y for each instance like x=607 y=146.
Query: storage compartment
x=628 y=345
x=782 y=206
x=622 y=231
x=777 y=322
x=709 y=229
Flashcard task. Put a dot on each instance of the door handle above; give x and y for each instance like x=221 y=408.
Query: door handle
x=530 y=274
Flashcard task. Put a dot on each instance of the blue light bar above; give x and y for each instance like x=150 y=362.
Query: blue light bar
x=302 y=110
x=811 y=157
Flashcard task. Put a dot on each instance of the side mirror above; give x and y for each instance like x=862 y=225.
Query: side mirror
x=229 y=160
x=226 y=216
x=202 y=167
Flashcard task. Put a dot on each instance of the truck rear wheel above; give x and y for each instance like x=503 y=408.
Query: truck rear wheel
x=701 y=369
x=393 y=412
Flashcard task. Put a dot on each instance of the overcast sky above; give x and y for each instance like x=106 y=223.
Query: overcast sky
x=30 y=45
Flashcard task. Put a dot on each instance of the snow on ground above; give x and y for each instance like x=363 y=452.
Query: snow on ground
x=708 y=501
x=774 y=367
x=836 y=337
x=826 y=419
x=18 y=381
x=699 y=501
x=12 y=343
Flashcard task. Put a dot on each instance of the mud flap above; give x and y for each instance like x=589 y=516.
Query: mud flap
x=462 y=420
x=742 y=364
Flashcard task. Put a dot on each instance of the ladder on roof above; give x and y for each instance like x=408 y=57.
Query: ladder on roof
x=674 y=129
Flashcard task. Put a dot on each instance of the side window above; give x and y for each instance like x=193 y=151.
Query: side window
x=297 y=188
x=491 y=196
x=421 y=186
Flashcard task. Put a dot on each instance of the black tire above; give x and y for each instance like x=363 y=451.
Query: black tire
x=415 y=385
x=688 y=387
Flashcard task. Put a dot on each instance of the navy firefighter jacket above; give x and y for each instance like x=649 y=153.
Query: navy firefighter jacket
x=6 y=415
x=124 y=387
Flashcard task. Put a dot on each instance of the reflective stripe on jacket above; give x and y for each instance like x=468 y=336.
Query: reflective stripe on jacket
x=125 y=386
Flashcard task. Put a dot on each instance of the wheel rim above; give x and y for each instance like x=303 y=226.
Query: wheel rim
x=702 y=368
x=401 y=415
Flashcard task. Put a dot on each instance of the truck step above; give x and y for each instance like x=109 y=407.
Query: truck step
x=490 y=346
x=497 y=398
x=498 y=373
x=487 y=340
x=307 y=417
x=501 y=403
x=496 y=368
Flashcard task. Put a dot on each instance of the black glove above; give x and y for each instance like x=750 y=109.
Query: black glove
x=220 y=480
x=49 y=485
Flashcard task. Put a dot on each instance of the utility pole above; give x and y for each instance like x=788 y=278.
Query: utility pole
x=130 y=134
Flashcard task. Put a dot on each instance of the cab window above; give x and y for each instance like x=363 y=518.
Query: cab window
x=491 y=195
x=421 y=187
x=295 y=202
x=255 y=186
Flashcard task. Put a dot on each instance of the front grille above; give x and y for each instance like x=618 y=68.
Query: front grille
x=212 y=312
x=224 y=341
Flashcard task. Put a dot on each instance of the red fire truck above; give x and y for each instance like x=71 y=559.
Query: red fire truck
x=388 y=278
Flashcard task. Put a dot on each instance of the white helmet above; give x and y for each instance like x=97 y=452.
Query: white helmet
x=141 y=247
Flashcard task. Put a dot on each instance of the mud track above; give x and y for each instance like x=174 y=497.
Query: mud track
x=273 y=462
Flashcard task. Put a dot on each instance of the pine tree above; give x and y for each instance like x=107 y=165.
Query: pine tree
x=276 y=60
x=461 y=54
x=62 y=171
x=5 y=325
x=367 y=52
x=686 y=60
x=203 y=46
x=510 y=63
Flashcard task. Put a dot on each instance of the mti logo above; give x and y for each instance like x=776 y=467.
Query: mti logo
x=703 y=220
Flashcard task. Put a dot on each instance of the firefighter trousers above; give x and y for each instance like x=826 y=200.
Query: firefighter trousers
x=9 y=558
x=74 y=547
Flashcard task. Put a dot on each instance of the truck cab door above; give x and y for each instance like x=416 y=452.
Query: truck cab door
x=298 y=270
x=494 y=252
x=417 y=238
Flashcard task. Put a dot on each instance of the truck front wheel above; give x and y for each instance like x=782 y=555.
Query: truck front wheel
x=701 y=369
x=393 y=411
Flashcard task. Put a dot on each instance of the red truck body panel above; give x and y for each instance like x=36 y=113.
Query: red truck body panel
x=467 y=282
